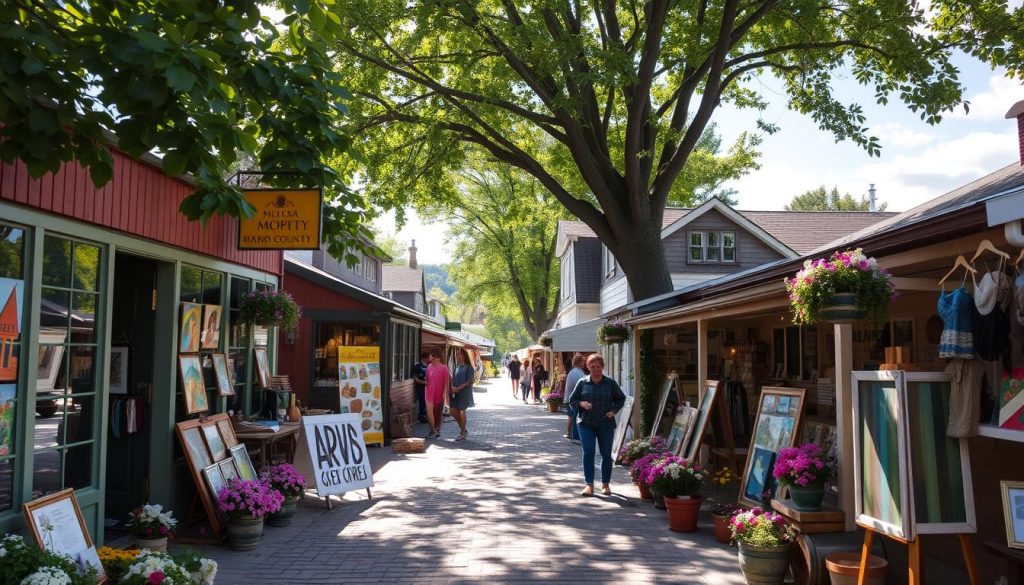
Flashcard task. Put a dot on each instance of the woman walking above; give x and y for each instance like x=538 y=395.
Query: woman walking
x=438 y=382
x=596 y=398
x=513 y=372
x=526 y=381
x=462 y=392
x=540 y=375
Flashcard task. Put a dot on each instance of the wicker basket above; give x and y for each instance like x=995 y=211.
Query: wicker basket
x=409 y=445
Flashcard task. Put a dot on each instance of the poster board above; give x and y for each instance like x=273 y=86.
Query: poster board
x=665 y=403
x=1013 y=512
x=58 y=526
x=705 y=407
x=777 y=425
x=623 y=420
x=360 y=387
x=338 y=453
x=682 y=427
x=206 y=445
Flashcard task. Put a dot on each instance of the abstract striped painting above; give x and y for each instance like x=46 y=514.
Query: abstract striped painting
x=936 y=463
x=878 y=440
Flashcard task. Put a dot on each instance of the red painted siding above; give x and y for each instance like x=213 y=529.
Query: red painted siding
x=140 y=200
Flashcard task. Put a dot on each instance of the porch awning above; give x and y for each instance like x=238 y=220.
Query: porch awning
x=581 y=337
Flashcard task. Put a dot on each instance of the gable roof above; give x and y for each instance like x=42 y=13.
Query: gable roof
x=296 y=265
x=744 y=222
x=401 y=279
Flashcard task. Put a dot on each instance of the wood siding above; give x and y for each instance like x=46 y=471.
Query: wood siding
x=614 y=294
x=140 y=200
x=341 y=270
x=750 y=250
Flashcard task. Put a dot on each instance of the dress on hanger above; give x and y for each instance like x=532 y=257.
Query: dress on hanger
x=991 y=326
x=956 y=308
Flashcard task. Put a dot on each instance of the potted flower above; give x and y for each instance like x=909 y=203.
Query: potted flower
x=804 y=469
x=763 y=539
x=116 y=561
x=244 y=503
x=554 y=400
x=638 y=471
x=637 y=448
x=545 y=340
x=290 y=484
x=679 y=482
x=846 y=287
x=614 y=331
x=151 y=526
x=720 y=516
x=154 y=568
x=268 y=308
x=27 y=564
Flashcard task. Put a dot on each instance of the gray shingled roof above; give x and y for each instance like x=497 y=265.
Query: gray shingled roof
x=401 y=279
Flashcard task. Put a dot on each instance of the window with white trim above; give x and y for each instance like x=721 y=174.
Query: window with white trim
x=566 y=277
x=369 y=268
x=609 y=262
x=712 y=246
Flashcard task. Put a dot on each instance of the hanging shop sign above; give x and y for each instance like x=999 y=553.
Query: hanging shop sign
x=338 y=453
x=284 y=220
x=359 y=381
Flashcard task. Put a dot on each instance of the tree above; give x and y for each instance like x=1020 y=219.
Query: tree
x=394 y=247
x=624 y=90
x=208 y=85
x=821 y=200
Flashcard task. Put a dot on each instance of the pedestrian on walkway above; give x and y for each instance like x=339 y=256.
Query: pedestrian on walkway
x=419 y=380
x=461 y=396
x=540 y=375
x=513 y=372
x=597 y=398
x=438 y=382
x=576 y=374
x=525 y=382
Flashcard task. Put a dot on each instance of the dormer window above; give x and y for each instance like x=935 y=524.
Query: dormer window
x=712 y=247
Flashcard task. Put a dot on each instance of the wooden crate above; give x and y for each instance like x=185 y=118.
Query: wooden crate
x=829 y=519
x=409 y=445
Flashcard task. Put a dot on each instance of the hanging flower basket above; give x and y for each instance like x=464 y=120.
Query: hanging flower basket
x=545 y=340
x=846 y=287
x=615 y=331
x=268 y=308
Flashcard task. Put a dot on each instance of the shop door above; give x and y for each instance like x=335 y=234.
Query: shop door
x=130 y=389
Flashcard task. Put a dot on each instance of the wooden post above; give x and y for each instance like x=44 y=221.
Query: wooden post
x=702 y=354
x=844 y=420
x=914 y=562
x=972 y=566
x=865 y=555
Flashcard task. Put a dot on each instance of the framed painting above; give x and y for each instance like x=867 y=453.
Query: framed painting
x=227 y=432
x=228 y=470
x=776 y=425
x=240 y=455
x=667 y=402
x=682 y=428
x=623 y=422
x=214 y=479
x=214 y=441
x=705 y=407
x=58 y=526
x=880 y=457
x=195 y=448
x=223 y=374
x=190 y=332
x=192 y=387
x=210 y=337
x=118 y=382
x=262 y=367
x=1013 y=512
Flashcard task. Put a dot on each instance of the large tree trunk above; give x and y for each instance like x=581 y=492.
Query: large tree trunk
x=641 y=254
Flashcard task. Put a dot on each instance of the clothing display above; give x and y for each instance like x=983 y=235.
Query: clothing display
x=956 y=308
x=991 y=333
x=965 y=397
x=991 y=291
x=125 y=416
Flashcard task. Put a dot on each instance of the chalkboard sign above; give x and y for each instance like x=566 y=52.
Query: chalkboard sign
x=338 y=452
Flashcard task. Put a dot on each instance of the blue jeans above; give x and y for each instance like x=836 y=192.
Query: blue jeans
x=574 y=432
x=603 y=436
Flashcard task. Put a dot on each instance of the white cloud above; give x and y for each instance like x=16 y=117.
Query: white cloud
x=430 y=238
x=894 y=134
x=993 y=103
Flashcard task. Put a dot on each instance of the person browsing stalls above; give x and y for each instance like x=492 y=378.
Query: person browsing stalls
x=596 y=399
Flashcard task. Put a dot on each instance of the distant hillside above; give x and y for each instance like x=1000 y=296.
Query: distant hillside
x=437 y=275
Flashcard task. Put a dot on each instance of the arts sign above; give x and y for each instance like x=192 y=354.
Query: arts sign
x=283 y=220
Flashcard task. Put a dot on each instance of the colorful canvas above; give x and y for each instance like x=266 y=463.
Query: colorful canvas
x=882 y=491
x=12 y=294
x=243 y=464
x=760 y=486
x=1011 y=400
x=223 y=373
x=215 y=442
x=191 y=321
x=192 y=385
x=210 y=338
x=776 y=426
x=7 y=394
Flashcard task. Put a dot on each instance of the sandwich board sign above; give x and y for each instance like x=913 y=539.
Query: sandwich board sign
x=341 y=462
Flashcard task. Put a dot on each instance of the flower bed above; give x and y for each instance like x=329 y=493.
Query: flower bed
x=844 y=272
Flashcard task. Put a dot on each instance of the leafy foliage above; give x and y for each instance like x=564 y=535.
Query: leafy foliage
x=19 y=560
x=844 y=272
x=211 y=86
x=821 y=200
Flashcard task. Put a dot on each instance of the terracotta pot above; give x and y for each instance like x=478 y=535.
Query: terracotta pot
x=153 y=544
x=722 y=533
x=553 y=406
x=244 y=533
x=763 y=565
x=645 y=492
x=842 y=308
x=683 y=513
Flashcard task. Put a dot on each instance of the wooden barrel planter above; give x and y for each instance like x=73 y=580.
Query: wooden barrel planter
x=813 y=548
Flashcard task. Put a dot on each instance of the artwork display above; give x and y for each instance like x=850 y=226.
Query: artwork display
x=622 y=424
x=666 y=405
x=214 y=442
x=682 y=428
x=361 y=390
x=58 y=526
x=243 y=464
x=195 y=444
x=262 y=367
x=704 y=408
x=210 y=338
x=192 y=386
x=191 y=323
x=227 y=432
x=12 y=296
x=214 y=479
x=1011 y=400
x=50 y=359
x=228 y=469
x=776 y=426
x=223 y=373
x=1013 y=512
x=118 y=382
x=8 y=392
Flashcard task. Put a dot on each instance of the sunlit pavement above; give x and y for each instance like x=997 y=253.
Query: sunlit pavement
x=500 y=507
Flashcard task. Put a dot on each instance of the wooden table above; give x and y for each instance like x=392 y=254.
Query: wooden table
x=1014 y=560
x=267 y=441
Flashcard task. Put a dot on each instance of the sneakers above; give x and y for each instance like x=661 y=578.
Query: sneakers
x=462 y=436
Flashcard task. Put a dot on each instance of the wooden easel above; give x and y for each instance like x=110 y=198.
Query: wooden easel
x=914 y=576
x=330 y=506
x=725 y=444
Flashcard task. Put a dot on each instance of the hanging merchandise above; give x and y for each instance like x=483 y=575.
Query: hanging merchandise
x=991 y=326
x=957 y=312
x=964 y=397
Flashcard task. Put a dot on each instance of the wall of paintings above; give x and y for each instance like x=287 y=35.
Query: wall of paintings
x=214 y=457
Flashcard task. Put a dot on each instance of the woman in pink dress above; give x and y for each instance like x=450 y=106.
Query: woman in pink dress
x=438 y=383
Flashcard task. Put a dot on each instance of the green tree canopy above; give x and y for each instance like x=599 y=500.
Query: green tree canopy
x=207 y=85
x=622 y=91
x=821 y=200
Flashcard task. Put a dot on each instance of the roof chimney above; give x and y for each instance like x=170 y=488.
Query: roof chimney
x=1017 y=111
x=412 y=255
x=873 y=201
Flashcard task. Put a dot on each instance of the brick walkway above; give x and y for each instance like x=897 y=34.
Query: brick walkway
x=499 y=507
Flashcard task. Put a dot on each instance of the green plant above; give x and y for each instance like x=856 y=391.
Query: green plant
x=616 y=328
x=555 y=397
x=802 y=466
x=268 y=308
x=153 y=568
x=759 y=528
x=843 y=272
x=150 y=521
x=21 y=562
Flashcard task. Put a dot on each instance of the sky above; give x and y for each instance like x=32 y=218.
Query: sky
x=918 y=162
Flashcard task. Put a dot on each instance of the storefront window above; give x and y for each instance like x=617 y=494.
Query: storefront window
x=66 y=404
x=404 y=350
x=204 y=287
x=238 y=343
x=12 y=302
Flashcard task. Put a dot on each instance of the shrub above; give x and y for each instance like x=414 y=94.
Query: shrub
x=759 y=528
x=637 y=448
x=851 y=272
x=555 y=397
x=26 y=564
x=674 y=476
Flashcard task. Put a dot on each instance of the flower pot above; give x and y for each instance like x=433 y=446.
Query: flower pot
x=553 y=406
x=283 y=517
x=153 y=544
x=610 y=338
x=659 y=500
x=763 y=565
x=722 y=532
x=844 y=569
x=682 y=513
x=244 y=533
x=807 y=498
x=842 y=308
x=645 y=492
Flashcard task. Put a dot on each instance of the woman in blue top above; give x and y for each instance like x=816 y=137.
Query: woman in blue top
x=596 y=398
x=462 y=392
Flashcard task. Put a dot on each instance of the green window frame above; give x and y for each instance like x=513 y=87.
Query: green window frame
x=13 y=239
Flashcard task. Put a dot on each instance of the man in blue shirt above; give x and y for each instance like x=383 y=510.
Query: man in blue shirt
x=419 y=378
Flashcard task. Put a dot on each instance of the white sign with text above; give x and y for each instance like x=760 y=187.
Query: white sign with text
x=341 y=462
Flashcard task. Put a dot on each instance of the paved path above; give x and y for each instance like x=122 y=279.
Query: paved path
x=501 y=507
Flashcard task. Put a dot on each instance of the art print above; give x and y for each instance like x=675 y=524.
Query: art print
x=775 y=427
x=118 y=370
x=227 y=468
x=705 y=407
x=192 y=385
x=760 y=486
x=7 y=395
x=681 y=428
x=58 y=526
x=227 y=432
x=191 y=323
x=223 y=375
x=1013 y=512
x=210 y=338
x=262 y=367
x=213 y=440
x=243 y=464
x=196 y=445
x=214 y=479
